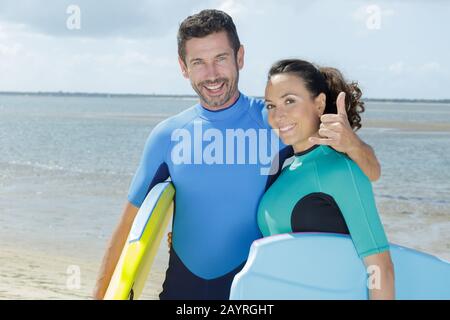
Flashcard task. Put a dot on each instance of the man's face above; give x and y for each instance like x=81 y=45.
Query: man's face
x=213 y=69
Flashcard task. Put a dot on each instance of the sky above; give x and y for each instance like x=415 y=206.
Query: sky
x=393 y=48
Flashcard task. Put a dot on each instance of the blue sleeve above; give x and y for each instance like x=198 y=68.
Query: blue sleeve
x=152 y=167
x=354 y=196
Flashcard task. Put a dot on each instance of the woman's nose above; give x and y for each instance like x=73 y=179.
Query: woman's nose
x=280 y=113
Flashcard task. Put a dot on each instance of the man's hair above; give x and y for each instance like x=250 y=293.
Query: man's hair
x=203 y=24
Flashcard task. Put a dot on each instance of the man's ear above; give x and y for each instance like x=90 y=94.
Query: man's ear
x=183 y=68
x=321 y=102
x=240 y=57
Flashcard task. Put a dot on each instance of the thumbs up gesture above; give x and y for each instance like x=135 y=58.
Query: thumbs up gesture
x=335 y=129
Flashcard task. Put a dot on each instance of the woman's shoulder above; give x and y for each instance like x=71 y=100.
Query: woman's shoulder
x=335 y=163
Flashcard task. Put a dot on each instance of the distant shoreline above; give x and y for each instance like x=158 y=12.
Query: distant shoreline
x=179 y=96
x=99 y=94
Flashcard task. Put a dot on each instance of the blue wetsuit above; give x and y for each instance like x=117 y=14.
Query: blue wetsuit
x=218 y=189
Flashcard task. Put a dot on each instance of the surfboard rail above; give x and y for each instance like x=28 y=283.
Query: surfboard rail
x=142 y=244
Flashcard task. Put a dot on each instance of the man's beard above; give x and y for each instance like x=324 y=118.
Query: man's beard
x=218 y=101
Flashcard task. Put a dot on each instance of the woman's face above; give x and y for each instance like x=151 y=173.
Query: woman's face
x=293 y=113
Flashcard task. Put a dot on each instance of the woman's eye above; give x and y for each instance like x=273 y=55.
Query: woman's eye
x=269 y=106
x=289 y=101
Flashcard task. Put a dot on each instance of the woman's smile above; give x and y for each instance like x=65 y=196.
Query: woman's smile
x=286 y=128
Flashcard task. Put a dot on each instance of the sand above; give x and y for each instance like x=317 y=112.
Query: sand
x=28 y=274
x=39 y=274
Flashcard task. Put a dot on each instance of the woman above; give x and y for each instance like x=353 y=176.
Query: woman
x=322 y=190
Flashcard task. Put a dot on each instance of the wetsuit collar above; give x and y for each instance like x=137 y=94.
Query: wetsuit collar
x=236 y=108
x=304 y=152
x=312 y=153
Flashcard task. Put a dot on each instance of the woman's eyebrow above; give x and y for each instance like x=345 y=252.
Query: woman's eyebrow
x=287 y=94
x=283 y=96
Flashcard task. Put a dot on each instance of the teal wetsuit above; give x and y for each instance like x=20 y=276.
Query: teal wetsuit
x=322 y=190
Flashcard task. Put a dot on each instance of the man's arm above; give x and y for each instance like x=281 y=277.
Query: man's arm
x=114 y=250
x=152 y=169
x=338 y=134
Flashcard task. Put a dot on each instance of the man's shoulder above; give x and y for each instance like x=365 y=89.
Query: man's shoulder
x=178 y=120
x=255 y=103
x=257 y=110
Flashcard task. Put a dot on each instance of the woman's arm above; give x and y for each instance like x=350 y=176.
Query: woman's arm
x=337 y=133
x=381 y=281
x=353 y=193
x=365 y=158
x=345 y=140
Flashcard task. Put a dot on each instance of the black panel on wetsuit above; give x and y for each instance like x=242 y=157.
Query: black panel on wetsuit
x=318 y=212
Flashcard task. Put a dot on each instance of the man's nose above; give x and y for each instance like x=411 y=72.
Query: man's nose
x=211 y=72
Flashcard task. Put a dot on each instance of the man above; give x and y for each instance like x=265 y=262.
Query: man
x=218 y=187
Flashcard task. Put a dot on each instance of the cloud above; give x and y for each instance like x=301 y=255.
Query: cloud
x=431 y=66
x=135 y=19
x=372 y=16
x=232 y=7
x=419 y=69
x=100 y=18
x=130 y=46
x=9 y=51
x=397 y=68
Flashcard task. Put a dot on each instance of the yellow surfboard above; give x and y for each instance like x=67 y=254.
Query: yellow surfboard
x=142 y=244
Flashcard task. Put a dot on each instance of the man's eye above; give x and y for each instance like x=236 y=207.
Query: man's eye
x=196 y=63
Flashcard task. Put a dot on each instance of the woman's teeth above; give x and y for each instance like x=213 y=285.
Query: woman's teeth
x=286 y=128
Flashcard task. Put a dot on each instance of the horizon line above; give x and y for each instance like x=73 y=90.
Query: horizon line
x=193 y=96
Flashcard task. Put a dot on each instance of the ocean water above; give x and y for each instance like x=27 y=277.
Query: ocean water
x=66 y=164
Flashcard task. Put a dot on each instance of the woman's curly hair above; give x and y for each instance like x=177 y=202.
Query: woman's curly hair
x=329 y=81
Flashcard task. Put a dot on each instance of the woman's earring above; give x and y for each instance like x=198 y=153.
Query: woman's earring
x=321 y=110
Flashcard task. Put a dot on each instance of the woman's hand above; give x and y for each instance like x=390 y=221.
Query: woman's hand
x=337 y=133
x=336 y=130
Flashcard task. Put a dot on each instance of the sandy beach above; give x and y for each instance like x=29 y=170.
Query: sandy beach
x=37 y=275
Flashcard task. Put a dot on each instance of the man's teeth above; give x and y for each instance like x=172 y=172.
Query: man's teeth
x=287 y=128
x=214 y=87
